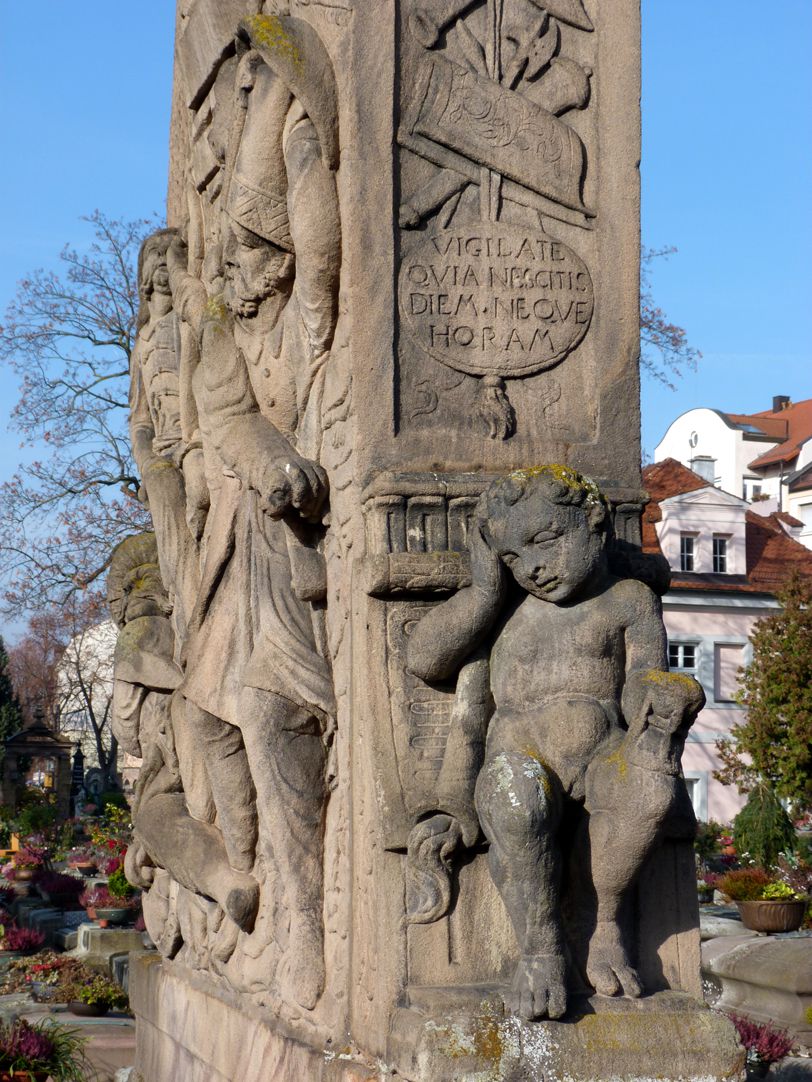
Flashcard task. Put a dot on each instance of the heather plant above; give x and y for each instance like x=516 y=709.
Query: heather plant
x=44 y=1046
x=763 y=1043
x=21 y=939
x=119 y=886
x=744 y=884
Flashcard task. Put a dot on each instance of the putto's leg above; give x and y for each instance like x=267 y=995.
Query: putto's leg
x=628 y=806
x=519 y=802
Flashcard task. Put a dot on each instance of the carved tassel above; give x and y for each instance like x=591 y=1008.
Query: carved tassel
x=495 y=408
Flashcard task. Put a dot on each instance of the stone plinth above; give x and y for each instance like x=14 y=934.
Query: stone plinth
x=666 y=1036
x=765 y=978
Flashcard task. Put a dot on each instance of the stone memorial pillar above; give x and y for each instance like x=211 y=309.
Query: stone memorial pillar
x=410 y=802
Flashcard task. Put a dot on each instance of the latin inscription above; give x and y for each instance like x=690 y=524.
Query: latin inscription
x=495 y=300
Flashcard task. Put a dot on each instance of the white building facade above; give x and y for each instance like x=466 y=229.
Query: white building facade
x=764 y=458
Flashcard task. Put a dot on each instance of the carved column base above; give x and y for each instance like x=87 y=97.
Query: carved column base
x=463 y=1035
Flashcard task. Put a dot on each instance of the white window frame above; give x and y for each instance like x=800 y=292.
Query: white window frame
x=680 y=646
x=683 y=537
x=722 y=557
x=700 y=790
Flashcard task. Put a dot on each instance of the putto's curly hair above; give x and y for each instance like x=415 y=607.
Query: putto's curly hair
x=555 y=483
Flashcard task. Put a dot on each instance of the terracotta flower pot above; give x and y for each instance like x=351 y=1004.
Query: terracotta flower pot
x=23 y=875
x=768 y=915
x=24 y=1076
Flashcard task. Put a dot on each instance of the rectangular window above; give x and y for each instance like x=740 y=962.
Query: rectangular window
x=727 y=658
x=686 y=552
x=720 y=555
x=682 y=655
x=805 y=514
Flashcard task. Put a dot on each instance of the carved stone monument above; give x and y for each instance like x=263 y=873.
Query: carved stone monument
x=410 y=803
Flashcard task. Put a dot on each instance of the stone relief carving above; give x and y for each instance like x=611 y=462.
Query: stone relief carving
x=565 y=737
x=227 y=413
x=483 y=287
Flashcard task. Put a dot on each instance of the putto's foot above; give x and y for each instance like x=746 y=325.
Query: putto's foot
x=302 y=978
x=608 y=968
x=539 y=988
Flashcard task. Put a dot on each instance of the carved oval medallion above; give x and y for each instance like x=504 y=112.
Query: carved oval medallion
x=495 y=300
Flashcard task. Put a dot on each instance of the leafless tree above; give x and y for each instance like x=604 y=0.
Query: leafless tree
x=69 y=337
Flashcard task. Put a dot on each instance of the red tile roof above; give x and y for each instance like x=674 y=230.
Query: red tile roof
x=771 y=553
x=790 y=426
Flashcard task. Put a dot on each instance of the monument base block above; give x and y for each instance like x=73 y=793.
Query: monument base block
x=186 y=1028
x=442 y=1038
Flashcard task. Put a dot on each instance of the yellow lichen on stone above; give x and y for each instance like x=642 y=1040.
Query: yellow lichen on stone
x=267 y=30
x=666 y=679
x=216 y=309
x=618 y=759
x=566 y=476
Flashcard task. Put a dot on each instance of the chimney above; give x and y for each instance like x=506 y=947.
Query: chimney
x=780 y=402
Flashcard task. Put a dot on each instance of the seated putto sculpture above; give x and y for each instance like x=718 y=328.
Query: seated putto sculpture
x=566 y=736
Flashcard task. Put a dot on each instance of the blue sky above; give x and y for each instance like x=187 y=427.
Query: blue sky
x=727 y=171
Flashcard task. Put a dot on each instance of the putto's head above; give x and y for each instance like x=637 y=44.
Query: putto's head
x=549 y=525
x=153 y=275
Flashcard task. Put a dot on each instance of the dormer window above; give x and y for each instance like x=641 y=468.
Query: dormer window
x=687 y=544
x=720 y=554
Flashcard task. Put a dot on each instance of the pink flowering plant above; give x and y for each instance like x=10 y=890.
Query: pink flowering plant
x=43 y=1046
x=21 y=939
x=763 y=1043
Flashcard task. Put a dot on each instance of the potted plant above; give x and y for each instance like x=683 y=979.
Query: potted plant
x=765 y=903
x=121 y=903
x=83 y=861
x=37 y=1051
x=763 y=1044
x=92 y=897
x=27 y=861
x=96 y=997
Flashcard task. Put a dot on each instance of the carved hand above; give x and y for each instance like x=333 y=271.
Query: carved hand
x=294 y=483
x=487 y=570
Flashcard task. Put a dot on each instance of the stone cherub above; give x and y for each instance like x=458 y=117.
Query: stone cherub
x=566 y=737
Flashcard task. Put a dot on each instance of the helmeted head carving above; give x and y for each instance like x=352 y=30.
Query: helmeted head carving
x=550 y=526
x=134 y=584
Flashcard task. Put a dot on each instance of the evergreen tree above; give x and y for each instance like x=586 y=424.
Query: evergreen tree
x=10 y=713
x=774 y=742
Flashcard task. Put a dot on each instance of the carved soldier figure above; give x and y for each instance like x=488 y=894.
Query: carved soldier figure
x=257 y=670
x=168 y=842
x=170 y=465
x=580 y=775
